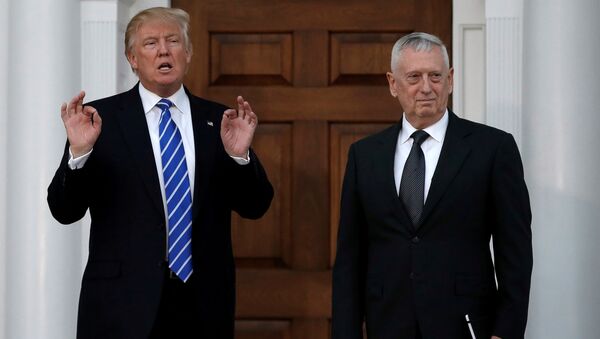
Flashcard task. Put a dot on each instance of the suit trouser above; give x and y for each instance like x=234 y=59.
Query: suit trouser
x=177 y=313
x=418 y=334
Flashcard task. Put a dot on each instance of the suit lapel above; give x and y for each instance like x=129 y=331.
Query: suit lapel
x=454 y=152
x=134 y=129
x=204 y=147
x=384 y=170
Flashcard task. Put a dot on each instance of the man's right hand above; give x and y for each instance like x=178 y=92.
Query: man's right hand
x=83 y=125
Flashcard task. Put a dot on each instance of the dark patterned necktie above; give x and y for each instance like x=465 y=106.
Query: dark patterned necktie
x=412 y=184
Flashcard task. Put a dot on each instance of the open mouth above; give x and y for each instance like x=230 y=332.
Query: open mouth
x=165 y=67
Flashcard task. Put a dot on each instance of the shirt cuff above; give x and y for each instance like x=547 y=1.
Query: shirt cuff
x=79 y=162
x=242 y=161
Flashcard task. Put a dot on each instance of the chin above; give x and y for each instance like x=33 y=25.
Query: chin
x=426 y=113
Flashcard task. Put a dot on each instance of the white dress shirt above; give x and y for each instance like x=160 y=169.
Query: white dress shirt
x=182 y=117
x=432 y=147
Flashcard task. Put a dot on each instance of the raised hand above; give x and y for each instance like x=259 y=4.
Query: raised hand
x=237 y=128
x=83 y=125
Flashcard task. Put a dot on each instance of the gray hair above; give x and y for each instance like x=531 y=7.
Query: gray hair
x=420 y=42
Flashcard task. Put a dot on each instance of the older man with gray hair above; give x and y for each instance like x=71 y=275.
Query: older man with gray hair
x=420 y=202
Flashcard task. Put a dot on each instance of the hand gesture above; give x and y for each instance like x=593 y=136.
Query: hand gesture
x=83 y=125
x=237 y=128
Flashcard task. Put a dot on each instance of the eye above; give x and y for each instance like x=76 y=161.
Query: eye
x=149 y=43
x=436 y=77
x=413 y=78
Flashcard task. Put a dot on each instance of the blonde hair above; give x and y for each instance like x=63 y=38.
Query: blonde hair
x=174 y=15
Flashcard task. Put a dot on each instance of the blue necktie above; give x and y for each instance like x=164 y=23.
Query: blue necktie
x=178 y=193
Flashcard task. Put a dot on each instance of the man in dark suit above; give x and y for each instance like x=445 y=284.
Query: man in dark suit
x=160 y=171
x=420 y=202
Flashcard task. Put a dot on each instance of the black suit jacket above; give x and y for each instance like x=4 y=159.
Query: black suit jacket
x=119 y=184
x=395 y=276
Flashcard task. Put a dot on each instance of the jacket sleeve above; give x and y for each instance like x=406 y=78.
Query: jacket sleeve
x=350 y=263
x=253 y=191
x=66 y=194
x=513 y=253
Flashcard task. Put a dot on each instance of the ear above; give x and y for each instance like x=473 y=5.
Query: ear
x=392 y=83
x=188 y=55
x=132 y=60
x=450 y=80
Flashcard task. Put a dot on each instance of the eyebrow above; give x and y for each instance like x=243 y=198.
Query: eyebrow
x=156 y=35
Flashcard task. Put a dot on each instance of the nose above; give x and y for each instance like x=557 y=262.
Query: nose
x=426 y=87
x=163 y=48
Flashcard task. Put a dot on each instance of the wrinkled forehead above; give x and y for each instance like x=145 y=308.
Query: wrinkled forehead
x=429 y=59
x=157 y=28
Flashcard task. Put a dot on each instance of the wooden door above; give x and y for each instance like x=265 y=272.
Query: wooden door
x=314 y=71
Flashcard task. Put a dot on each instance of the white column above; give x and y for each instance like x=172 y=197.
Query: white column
x=504 y=36
x=99 y=45
x=560 y=149
x=3 y=147
x=42 y=257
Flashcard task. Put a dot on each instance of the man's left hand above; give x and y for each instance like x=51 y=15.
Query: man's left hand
x=237 y=129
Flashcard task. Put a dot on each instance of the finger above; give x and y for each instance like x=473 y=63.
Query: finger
x=72 y=105
x=79 y=107
x=96 y=119
x=247 y=109
x=252 y=118
x=89 y=110
x=225 y=122
x=230 y=113
x=63 y=110
x=92 y=113
x=240 y=102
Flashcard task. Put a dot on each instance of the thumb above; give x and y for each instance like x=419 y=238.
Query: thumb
x=96 y=119
x=93 y=114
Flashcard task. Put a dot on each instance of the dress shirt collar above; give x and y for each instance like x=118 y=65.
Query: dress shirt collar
x=437 y=131
x=179 y=99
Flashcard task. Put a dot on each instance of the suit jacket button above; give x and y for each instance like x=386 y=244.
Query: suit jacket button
x=415 y=240
x=411 y=275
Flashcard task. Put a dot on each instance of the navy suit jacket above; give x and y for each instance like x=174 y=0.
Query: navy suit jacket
x=394 y=276
x=119 y=184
